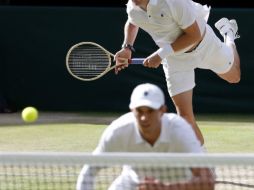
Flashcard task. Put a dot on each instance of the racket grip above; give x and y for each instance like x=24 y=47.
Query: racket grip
x=136 y=61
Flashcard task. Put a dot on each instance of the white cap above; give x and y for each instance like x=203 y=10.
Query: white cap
x=148 y=95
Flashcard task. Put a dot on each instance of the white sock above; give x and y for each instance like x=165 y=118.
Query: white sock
x=229 y=38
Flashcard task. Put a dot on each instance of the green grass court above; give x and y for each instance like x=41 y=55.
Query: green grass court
x=75 y=133
x=65 y=132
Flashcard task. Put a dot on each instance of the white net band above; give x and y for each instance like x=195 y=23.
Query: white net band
x=61 y=170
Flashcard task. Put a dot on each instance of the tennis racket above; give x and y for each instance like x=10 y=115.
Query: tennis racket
x=88 y=61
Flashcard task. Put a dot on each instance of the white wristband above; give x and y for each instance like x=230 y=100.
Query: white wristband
x=165 y=51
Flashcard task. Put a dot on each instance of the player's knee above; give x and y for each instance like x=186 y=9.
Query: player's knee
x=234 y=79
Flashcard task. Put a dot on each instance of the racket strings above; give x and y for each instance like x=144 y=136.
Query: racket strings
x=88 y=61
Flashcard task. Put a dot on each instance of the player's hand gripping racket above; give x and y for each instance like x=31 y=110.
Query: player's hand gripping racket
x=89 y=61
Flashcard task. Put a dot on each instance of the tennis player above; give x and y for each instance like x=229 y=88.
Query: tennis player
x=186 y=42
x=148 y=128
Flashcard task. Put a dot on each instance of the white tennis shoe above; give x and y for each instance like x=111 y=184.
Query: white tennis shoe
x=225 y=26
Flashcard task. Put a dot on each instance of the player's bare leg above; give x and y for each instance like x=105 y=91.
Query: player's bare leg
x=183 y=104
x=228 y=30
x=234 y=74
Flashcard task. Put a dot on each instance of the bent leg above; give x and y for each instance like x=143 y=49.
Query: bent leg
x=234 y=74
x=183 y=104
x=228 y=29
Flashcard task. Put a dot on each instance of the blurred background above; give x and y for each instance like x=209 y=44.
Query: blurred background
x=118 y=3
x=36 y=35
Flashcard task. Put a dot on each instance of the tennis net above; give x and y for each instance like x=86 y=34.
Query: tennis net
x=55 y=171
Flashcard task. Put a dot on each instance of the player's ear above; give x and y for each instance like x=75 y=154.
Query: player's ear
x=163 y=108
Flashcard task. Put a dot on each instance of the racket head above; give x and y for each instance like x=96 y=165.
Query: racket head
x=88 y=61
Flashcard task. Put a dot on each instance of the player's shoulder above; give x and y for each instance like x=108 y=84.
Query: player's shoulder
x=171 y=116
x=125 y=121
x=174 y=120
x=170 y=1
x=174 y=3
x=130 y=6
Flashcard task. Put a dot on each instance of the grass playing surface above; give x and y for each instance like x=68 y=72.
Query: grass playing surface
x=222 y=134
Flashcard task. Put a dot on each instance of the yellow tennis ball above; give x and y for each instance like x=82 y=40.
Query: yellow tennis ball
x=29 y=114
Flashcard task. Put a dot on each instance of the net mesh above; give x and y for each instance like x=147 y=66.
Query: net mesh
x=53 y=171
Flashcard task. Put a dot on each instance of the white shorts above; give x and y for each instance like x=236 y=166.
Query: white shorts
x=210 y=54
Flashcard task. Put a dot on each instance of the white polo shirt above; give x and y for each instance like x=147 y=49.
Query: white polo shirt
x=122 y=135
x=165 y=19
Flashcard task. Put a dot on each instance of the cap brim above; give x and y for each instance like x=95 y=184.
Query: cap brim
x=145 y=103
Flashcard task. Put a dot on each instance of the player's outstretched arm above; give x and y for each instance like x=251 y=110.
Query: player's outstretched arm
x=86 y=178
x=130 y=34
x=202 y=179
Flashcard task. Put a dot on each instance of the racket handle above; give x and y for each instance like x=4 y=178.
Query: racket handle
x=136 y=61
